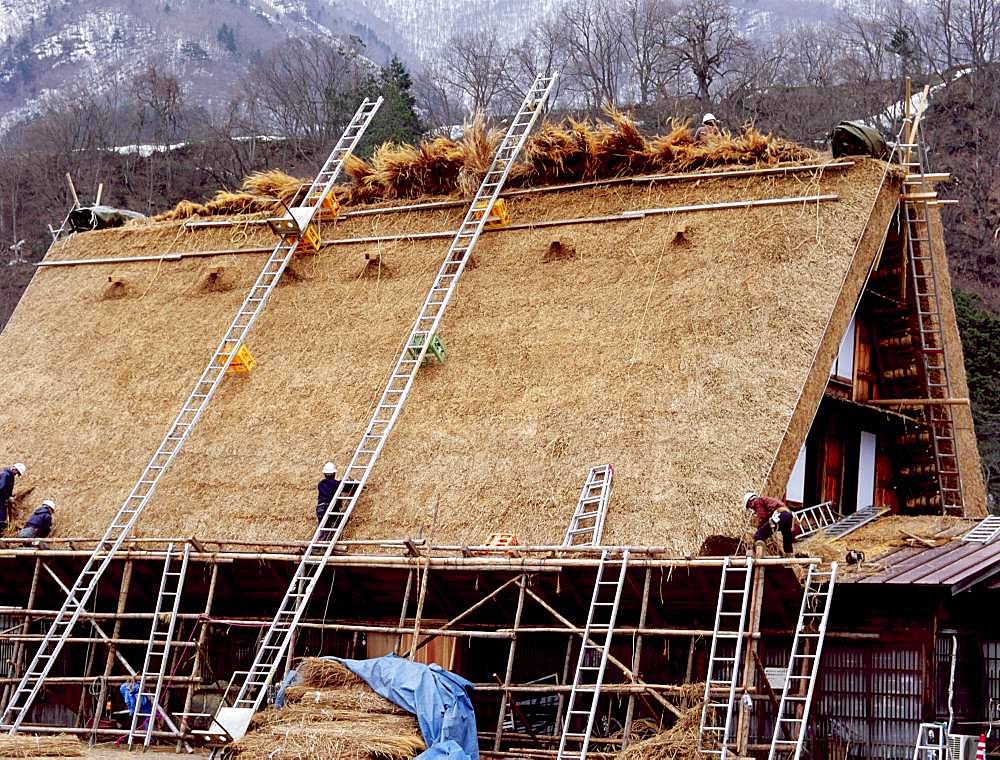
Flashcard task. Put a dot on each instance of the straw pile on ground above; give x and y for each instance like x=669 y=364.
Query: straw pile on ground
x=60 y=745
x=679 y=742
x=566 y=152
x=331 y=714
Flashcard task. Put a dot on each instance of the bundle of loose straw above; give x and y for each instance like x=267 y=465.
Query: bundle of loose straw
x=331 y=714
x=59 y=745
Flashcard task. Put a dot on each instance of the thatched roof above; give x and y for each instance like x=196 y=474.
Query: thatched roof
x=681 y=362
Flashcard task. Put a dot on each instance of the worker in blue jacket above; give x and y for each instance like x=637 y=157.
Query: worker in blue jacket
x=7 y=477
x=325 y=490
x=39 y=525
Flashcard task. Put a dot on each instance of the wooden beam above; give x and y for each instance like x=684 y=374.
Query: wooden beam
x=917 y=401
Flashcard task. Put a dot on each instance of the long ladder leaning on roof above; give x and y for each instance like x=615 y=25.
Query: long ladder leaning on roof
x=926 y=293
x=192 y=410
x=792 y=719
x=161 y=636
x=278 y=635
x=587 y=524
x=725 y=657
x=581 y=707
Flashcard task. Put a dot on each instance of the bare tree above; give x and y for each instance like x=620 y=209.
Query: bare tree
x=705 y=39
x=645 y=53
x=595 y=49
x=160 y=103
x=475 y=66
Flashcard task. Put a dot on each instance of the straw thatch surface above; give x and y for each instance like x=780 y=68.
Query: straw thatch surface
x=681 y=363
x=884 y=535
x=60 y=745
x=331 y=714
x=565 y=152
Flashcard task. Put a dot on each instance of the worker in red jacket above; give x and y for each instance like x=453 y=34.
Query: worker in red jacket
x=772 y=514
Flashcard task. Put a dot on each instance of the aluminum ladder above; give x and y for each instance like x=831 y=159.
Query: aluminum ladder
x=926 y=294
x=161 y=636
x=815 y=518
x=587 y=524
x=724 y=669
x=853 y=521
x=985 y=531
x=278 y=635
x=603 y=604
x=191 y=411
x=803 y=664
x=931 y=741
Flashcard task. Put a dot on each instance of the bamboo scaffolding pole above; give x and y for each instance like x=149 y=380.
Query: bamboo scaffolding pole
x=637 y=653
x=421 y=597
x=611 y=658
x=461 y=616
x=196 y=663
x=112 y=648
x=625 y=216
x=749 y=671
x=404 y=608
x=18 y=655
x=476 y=563
x=522 y=584
x=97 y=628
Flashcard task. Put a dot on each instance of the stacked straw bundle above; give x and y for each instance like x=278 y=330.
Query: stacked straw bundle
x=331 y=714
x=59 y=745
x=679 y=742
x=566 y=152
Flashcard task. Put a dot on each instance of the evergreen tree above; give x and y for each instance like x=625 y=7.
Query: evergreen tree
x=980 y=330
x=397 y=120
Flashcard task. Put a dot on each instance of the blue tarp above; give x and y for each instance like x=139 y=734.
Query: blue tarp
x=439 y=699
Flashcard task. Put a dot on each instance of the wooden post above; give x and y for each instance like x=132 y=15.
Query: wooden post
x=202 y=637
x=72 y=190
x=19 y=647
x=565 y=679
x=637 y=654
x=523 y=585
x=749 y=657
x=112 y=646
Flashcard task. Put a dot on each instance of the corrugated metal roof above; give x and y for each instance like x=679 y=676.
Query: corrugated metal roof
x=956 y=564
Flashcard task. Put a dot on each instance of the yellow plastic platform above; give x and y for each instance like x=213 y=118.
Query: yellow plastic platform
x=243 y=363
x=499 y=215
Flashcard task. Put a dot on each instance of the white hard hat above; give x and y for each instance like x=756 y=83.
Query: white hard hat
x=50 y=504
x=707 y=118
x=747 y=498
x=329 y=469
x=21 y=469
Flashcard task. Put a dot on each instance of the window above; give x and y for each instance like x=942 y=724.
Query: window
x=866 y=470
x=843 y=365
x=797 y=480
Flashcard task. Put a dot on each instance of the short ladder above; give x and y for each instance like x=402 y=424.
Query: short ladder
x=587 y=524
x=593 y=660
x=154 y=666
x=803 y=664
x=815 y=518
x=724 y=669
x=931 y=742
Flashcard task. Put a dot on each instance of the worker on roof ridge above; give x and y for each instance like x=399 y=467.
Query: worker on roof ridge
x=7 y=477
x=39 y=525
x=325 y=490
x=772 y=514
x=709 y=129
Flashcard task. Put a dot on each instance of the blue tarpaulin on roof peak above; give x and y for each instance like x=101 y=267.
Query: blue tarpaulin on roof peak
x=439 y=699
